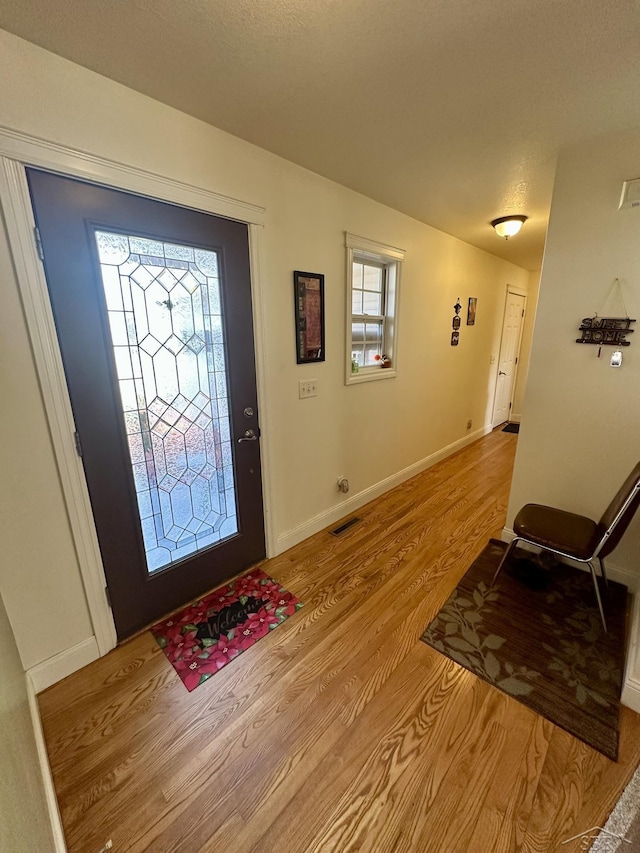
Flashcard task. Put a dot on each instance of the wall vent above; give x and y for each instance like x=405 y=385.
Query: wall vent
x=344 y=526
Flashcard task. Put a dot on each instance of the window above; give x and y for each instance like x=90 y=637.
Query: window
x=373 y=278
x=368 y=290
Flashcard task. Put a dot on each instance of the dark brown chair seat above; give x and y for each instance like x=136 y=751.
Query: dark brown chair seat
x=558 y=530
x=576 y=536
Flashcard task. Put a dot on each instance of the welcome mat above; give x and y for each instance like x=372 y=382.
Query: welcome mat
x=207 y=635
x=511 y=428
x=537 y=636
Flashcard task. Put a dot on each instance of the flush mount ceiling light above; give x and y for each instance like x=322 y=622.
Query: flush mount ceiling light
x=508 y=226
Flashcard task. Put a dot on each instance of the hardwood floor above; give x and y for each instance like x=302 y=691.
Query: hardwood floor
x=340 y=731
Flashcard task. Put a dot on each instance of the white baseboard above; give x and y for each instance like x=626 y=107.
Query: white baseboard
x=59 y=843
x=324 y=519
x=631 y=683
x=56 y=668
x=514 y=418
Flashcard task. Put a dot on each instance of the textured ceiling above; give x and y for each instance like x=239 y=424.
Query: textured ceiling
x=451 y=111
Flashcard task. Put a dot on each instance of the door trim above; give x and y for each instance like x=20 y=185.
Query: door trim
x=517 y=291
x=73 y=162
x=17 y=151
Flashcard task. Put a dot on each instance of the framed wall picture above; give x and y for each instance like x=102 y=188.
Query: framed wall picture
x=471 y=311
x=309 y=306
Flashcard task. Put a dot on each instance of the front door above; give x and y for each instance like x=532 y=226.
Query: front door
x=152 y=305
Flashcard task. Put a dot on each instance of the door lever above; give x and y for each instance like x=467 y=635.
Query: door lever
x=249 y=435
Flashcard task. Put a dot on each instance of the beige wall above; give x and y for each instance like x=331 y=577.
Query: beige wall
x=581 y=434
x=24 y=823
x=367 y=432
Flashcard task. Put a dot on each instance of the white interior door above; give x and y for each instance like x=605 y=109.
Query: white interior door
x=508 y=360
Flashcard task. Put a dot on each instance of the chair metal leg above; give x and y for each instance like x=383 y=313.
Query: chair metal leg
x=597 y=589
x=505 y=557
x=604 y=574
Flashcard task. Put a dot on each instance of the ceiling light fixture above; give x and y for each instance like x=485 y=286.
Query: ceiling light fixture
x=508 y=226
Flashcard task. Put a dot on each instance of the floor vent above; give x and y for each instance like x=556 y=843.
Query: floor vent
x=344 y=526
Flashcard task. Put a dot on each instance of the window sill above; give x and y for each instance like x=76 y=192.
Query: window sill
x=371 y=375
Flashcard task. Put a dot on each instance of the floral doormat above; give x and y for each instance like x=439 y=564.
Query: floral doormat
x=206 y=635
x=537 y=636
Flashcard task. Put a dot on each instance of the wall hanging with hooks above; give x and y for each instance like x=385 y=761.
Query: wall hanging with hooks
x=607 y=331
x=455 y=335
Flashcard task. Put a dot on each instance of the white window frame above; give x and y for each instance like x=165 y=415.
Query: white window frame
x=391 y=258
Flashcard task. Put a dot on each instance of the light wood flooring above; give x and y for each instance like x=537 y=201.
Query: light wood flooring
x=340 y=730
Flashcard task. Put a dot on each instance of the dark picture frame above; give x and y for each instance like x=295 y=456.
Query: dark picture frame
x=308 y=288
x=471 y=311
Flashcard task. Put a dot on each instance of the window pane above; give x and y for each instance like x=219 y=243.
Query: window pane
x=370 y=355
x=357 y=275
x=373 y=278
x=366 y=343
x=357 y=333
x=356 y=302
x=372 y=303
x=373 y=333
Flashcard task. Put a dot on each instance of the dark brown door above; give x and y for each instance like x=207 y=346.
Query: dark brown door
x=152 y=305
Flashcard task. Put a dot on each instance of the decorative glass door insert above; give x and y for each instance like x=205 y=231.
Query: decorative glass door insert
x=165 y=317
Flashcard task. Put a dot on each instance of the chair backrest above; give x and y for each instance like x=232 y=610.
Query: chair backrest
x=619 y=513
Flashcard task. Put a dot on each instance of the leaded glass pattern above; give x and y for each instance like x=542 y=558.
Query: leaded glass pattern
x=163 y=303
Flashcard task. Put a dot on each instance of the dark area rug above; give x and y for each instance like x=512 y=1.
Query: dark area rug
x=511 y=428
x=213 y=631
x=537 y=636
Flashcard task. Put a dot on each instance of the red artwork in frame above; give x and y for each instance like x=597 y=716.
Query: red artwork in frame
x=309 y=312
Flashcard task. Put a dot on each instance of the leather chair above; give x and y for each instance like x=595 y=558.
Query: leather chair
x=576 y=537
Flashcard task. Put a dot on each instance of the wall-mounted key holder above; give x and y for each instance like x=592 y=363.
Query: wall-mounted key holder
x=607 y=331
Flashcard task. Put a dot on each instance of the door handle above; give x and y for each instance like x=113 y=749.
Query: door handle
x=501 y=373
x=249 y=435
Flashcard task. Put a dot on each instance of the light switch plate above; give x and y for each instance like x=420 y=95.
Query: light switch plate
x=307 y=388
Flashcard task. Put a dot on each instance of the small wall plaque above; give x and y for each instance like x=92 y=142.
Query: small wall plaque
x=605 y=331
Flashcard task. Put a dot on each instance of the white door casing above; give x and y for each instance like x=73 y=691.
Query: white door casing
x=508 y=359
